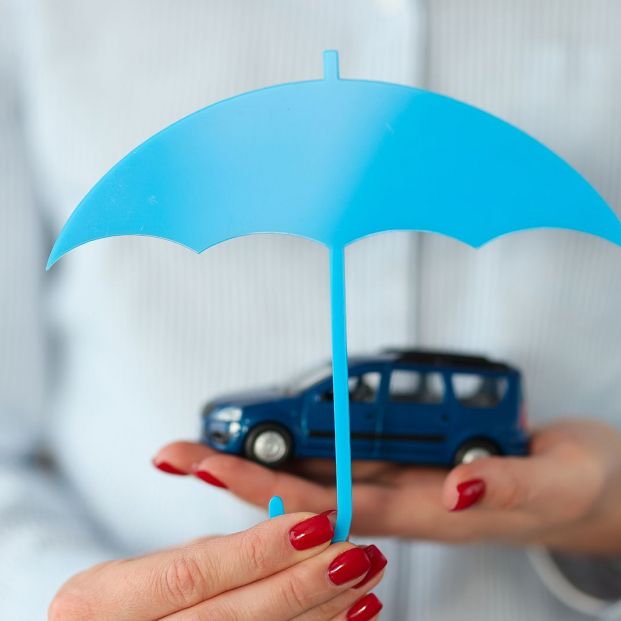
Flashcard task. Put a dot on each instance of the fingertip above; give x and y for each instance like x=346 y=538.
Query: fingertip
x=367 y=608
x=494 y=482
x=257 y=484
x=206 y=476
x=178 y=457
x=228 y=468
x=464 y=486
x=469 y=493
x=313 y=531
x=449 y=488
x=378 y=565
x=223 y=462
x=167 y=467
x=180 y=447
x=303 y=531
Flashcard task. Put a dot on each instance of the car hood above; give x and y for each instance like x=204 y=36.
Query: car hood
x=248 y=397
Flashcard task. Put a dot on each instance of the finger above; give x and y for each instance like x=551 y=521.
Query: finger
x=179 y=457
x=367 y=608
x=289 y=593
x=502 y=483
x=343 y=602
x=339 y=607
x=157 y=585
x=256 y=484
x=378 y=509
x=552 y=486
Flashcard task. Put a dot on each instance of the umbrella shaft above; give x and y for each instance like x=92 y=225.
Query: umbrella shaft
x=341 y=394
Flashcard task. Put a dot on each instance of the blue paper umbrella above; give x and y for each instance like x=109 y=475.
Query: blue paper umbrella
x=335 y=160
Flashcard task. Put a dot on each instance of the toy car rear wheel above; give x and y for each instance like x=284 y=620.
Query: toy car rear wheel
x=475 y=449
x=269 y=444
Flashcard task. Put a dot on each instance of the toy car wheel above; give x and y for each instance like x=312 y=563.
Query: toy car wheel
x=269 y=444
x=475 y=449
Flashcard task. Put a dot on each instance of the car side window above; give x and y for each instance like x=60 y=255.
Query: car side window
x=363 y=388
x=479 y=391
x=410 y=386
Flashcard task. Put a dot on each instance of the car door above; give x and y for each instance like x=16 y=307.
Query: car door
x=482 y=402
x=364 y=391
x=415 y=420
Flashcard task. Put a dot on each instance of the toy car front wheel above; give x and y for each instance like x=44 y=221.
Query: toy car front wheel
x=475 y=449
x=269 y=444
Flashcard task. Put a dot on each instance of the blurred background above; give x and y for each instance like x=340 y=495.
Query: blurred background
x=113 y=353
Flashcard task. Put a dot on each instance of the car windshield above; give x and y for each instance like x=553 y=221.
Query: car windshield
x=308 y=378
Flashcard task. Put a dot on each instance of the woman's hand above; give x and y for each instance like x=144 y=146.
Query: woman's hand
x=565 y=495
x=285 y=568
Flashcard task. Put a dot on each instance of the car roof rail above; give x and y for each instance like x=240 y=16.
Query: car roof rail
x=447 y=359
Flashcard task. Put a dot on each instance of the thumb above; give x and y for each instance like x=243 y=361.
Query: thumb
x=500 y=483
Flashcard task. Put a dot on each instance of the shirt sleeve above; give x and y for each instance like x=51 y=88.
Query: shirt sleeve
x=45 y=536
x=588 y=584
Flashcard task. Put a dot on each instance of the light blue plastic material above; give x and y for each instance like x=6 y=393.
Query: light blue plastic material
x=335 y=160
x=276 y=507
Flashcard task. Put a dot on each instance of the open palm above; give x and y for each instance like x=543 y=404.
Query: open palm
x=566 y=494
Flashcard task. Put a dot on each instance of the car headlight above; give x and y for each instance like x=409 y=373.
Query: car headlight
x=227 y=415
x=234 y=428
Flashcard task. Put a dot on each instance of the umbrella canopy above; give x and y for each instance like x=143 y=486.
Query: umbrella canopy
x=335 y=160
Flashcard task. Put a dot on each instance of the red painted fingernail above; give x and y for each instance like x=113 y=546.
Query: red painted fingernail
x=164 y=466
x=313 y=531
x=469 y=493
x=365 y=608
x=378 y=562
x=203 y=475
x=348 y=566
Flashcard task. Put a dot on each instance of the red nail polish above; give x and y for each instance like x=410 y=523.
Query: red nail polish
x=348 y=566
x=203 y=475
x=469 y=493
x=312 y=532
x=331 y=515
x=365 y=608
x=164 y=466
x=378 y=562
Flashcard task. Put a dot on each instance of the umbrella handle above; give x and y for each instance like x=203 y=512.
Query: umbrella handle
x=340 y=386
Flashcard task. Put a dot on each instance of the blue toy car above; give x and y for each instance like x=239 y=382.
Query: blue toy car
x=412 y=406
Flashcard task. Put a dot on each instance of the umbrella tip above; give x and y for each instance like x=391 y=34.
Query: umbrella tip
x=50 y=261
x=331 y=65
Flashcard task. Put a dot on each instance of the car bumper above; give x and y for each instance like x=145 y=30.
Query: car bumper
x=226 y=437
